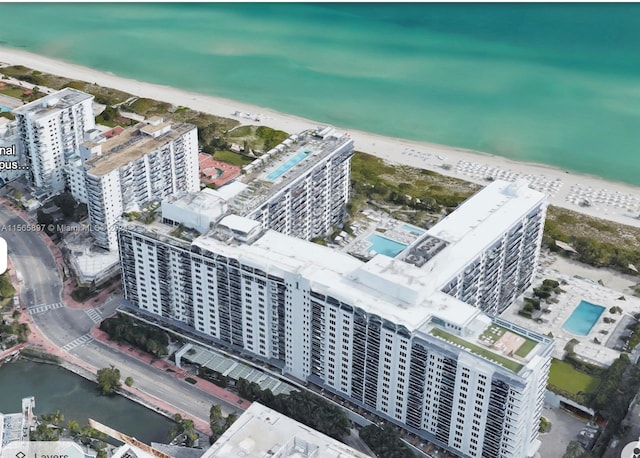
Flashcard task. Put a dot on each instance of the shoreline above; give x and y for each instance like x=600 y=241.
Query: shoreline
x=610 y=200
x=125 y=392
x=89 y=376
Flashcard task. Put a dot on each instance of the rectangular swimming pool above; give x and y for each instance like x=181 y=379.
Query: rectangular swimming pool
x=385 y=246
x=583 y=318
x=295 y=160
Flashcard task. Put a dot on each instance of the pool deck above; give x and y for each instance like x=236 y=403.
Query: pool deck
x=210 y=170
x=576 y=290
x=377 y=223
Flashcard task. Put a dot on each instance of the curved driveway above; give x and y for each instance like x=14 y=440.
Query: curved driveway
x=70 y=329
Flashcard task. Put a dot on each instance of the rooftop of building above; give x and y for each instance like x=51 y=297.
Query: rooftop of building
x=393 y=289
x=177 y=451
x=262 y=432
x=63 y=99
x=132 y=144
x=477 y=224
x=490 y=211
x=281 y=166
x=206 y=200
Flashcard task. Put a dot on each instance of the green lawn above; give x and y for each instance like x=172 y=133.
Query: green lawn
x=232 y=158
x=12 y=91
x=494 y=332
x=564 y=376
x=525 y=348
x=509 y=364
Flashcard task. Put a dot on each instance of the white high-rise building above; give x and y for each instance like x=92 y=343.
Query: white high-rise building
x=389 y=335
x=488 y=248
x=301 y=186
x=51 y=129
x=143 y=164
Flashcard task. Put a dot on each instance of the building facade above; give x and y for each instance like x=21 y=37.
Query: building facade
x=381 y=334
x=51 y=129
x=491 y=254
x=301 y=187
x=143 y=164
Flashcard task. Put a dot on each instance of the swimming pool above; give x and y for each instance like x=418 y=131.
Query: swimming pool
x=3 y=109
x=385 y=246
x=277 y=173
x=583 y=318
x=412 y=229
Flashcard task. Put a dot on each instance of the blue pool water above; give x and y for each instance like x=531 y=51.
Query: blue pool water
x=412 y=229
x=385 y=246
x=277 y=173
x=3 y=108
x=583 y=318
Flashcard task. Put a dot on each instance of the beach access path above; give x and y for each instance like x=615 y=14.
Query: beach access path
x=614 y=201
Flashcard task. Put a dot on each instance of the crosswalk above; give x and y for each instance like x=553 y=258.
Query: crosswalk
x=35 y=309
x=94 y=315
x=82 y=340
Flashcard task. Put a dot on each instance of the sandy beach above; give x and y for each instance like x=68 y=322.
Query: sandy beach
x=590 y=195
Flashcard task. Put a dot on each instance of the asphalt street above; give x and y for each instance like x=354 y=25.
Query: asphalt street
x=32 y=258
x=70 y=329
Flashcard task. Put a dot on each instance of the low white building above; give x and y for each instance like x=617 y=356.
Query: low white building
x=197 y=210
x=262 y=432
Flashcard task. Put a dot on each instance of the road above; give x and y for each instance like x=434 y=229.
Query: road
x=69 y=329
x=32 y=258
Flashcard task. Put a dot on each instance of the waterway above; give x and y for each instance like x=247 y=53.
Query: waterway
x=77 y=398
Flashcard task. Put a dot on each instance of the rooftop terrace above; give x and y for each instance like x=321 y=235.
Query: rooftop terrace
x=287 y=161
x=60 y=100
x=132 y=144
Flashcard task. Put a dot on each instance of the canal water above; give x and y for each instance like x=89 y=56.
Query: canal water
x=77 y=398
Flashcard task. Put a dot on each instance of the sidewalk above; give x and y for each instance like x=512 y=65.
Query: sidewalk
x=180 y=373
x=69 y=284
x=39 y=341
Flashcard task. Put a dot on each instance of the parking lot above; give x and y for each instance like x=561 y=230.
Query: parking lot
x=564 y=429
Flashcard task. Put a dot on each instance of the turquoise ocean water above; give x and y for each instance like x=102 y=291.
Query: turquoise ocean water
x=552 y=83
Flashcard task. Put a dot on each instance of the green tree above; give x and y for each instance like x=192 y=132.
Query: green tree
x=128 y=381
x=215 y=417
x=56 y=418
x=66 y=202
x=6 y=288
x=73 y=427
x=574 y=450
x=184 y=427
x=44 y=432
x=385 y=442
x=231 y=418
x=215 y=413
x=110 y=113
x=108 y=380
